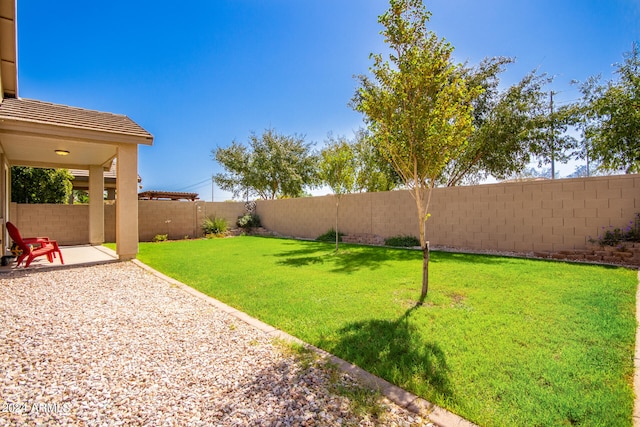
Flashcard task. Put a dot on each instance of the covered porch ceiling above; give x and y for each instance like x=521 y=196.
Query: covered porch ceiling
x=41 y=134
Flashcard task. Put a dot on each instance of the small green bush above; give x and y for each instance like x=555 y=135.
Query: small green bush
x=249 y=220
x=614 y=236
x=402 y=241
x=160 y=238
x=330 y=236
x=215 y=226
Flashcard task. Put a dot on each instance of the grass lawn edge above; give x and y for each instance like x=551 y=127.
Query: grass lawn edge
x=294 y=257
x=397 y=395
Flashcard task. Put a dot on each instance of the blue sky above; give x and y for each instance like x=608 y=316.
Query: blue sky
x=201 y=74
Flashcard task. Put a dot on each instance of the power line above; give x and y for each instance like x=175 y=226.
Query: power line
x=196 y=185
x=566 y=101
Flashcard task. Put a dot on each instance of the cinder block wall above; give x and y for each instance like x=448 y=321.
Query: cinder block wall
x=227 y=210
x=177 y=219
x=110 y=221
x=522 y=217
x=180 y=219
x=68 y=224
x=385 y=213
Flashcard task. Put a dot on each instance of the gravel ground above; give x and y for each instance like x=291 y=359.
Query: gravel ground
x=114 y=345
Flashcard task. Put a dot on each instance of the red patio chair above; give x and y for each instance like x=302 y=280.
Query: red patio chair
x=30 y=251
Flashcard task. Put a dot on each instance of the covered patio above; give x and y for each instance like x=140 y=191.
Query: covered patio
x=40 y=134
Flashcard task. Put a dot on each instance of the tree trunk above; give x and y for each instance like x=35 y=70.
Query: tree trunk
x=425 y=271
x=337 y=235
x=425 y=249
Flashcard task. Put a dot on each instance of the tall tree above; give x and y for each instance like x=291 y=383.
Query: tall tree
x=373 y=171
x=555 y=144
x=271 y=166
x=418 y=106
x=508 y=124
x=338 y=170
x=611 y=126
x=38 y=185
x=583 y=119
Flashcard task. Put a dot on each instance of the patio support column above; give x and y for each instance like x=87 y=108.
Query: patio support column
x=96 y=205
x=127 y=201
x=5 y=197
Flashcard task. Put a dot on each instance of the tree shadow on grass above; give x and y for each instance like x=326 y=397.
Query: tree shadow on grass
x=396 y=351
x=468 y=258
x=348 y=258
x=301 y=261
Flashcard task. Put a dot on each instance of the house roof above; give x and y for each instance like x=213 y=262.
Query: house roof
x=40 y=112
x=81 y=176
x=110 y=174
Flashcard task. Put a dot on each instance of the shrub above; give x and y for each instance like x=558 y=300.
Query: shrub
x=402 y=241
x=160 y=238
x=249 y=220
x=330 y=236
x=215 y=226
x=614 y=236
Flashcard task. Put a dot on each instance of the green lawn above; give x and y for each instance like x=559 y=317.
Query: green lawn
x=499 y=341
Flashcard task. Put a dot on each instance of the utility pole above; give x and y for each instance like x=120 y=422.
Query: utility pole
x=212 y=183
x=553 y=137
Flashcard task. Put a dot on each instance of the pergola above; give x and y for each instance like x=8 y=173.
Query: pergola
x=40 y=134
x=167 y=195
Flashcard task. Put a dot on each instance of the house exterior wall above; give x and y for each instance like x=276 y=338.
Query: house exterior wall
x=521 y=217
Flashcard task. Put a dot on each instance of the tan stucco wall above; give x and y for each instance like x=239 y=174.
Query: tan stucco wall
x=522 y=217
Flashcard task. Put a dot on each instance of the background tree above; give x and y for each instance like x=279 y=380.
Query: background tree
x=271 y=166
x=582 y=120
x=80 y=197
x=610 y=116
x=418 y=106
x=587 y=170
x=374 y=172
x=508 y=125
x=556 y=144
x=529 y=173
x=338 y=171
x=38 y=185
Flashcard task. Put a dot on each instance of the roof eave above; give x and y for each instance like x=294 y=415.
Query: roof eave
x=21 y=126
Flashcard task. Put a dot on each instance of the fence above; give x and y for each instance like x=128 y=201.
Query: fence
x=547 y=215
x=69 y=224
x=521 y=217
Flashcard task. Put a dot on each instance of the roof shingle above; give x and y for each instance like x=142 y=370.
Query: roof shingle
x=31 y=110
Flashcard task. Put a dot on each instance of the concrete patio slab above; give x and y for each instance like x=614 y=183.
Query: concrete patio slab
x=80 y=255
